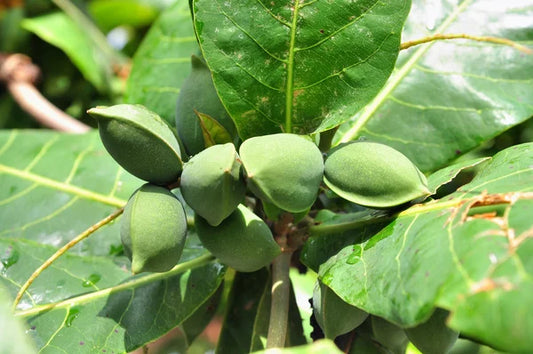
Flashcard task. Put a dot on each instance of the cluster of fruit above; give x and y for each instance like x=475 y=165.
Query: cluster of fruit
x=283 y=170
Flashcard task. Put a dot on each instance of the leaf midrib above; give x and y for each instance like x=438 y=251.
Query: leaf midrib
x=290 y=70
x=62 y=186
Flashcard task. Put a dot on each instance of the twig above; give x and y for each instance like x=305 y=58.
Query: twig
x=279 y=309
x=19 y=74
x=62 y=251
x=438 y=37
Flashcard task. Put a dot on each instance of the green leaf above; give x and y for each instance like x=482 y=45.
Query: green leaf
x=440 y=102
x=298 y=66
x=243 y=304
x=83 y=304
x=13 y=338
x=110 y=14
x=451 y=254
x=447 y=174
x=61 y=31
x=212 y=131
x=162 y=62
x=55 y=186
x=198 y=321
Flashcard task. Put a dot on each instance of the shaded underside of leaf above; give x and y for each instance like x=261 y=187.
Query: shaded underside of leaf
x=298 y=66
x=448 y=97
x=476 y=264
x=162 y=62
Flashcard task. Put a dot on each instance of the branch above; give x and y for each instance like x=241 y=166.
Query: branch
x=279 y=306
x=62 y=251
x=438 y=37
x=19 y=74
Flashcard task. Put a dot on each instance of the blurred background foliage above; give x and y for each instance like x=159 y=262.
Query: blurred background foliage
x=84 y=55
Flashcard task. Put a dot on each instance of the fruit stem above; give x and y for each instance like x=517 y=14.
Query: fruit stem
x=62 y=251
x=279 y=310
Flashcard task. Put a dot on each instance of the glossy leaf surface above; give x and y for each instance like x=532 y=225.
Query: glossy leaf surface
x=455 y=254
x=447 y=97
x=298 y=66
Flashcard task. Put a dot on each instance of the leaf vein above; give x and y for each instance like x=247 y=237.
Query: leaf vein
x=340 y=29
x=9 y=141
x=277 y=18
x=63 y=187
x=44 y=149
x=47 y=217
x=251 y=37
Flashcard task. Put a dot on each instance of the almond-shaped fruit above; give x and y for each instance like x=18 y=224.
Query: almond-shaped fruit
x=153 y=229
x=242 y=241
x=212 y=184
x=333 y=314
x=198 y=95
x=373 y=175
x=140 y=141
x=283 y=169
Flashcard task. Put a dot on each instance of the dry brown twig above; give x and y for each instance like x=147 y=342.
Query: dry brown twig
x=19 y=74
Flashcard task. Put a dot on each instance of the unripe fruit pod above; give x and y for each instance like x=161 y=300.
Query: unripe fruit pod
x=334 y=315
x=242 y=241
x=153 y=229
x=283 y=169
x=211 y=183
x=198 y=94
x=389 y=335
x=373 y=175
x=433 y=336
x=140 y=141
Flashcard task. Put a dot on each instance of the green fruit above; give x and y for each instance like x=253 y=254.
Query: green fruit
x=333 y=314
x=211 y=183
x=283 y=169
x=140 y=141
x=373 y=175
x=242 y=241
x=389 y=335
x=198 y=94
x=433 y=336
x=153 y=229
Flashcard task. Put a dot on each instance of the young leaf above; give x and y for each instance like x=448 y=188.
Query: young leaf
x=212 y=131
x=298 y=66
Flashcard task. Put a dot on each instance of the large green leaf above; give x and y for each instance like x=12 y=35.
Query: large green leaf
x=54 y=186
x=61 y=31
x=469 y=253
x=446 y=98
x=163 y=62
x=299 y=65
x=83 y=304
